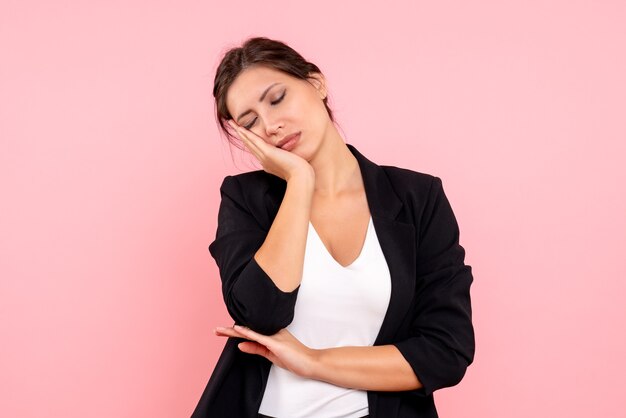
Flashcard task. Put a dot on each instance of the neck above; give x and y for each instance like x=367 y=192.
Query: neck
x=336 y=169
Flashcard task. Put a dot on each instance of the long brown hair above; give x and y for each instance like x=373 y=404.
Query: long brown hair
x=257 y=51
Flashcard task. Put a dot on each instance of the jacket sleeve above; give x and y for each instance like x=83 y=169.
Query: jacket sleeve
x=441 y=344
x=251 y=296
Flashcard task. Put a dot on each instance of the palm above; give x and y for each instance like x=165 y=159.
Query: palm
x=274 y=160
x=282 y=349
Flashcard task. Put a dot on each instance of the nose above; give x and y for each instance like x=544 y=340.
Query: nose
x=273 y=127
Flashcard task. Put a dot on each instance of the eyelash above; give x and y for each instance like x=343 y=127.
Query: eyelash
x=280 y=99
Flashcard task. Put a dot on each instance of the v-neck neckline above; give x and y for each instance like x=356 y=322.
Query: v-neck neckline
x=358 y=257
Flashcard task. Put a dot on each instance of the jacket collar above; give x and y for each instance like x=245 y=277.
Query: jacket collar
x=381 y=197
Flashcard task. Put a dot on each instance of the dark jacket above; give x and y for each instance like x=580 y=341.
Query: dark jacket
x=429 y=313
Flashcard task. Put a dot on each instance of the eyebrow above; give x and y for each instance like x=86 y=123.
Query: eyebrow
x=260 y=100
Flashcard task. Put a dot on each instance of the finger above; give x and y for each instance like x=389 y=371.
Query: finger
x=253 y=348
x=242 y=132
x=227 y=332
x=239 y=131
x=249 y=145
x=233 y=124
x=254 y=142
x=254 y=139
x=253 y=335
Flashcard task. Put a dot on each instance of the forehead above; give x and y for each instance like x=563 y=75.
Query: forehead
x=250 y=84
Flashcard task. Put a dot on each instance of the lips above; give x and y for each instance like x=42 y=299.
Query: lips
x=287 y=139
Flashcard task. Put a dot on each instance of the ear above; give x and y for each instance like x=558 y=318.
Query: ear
x=319 y=82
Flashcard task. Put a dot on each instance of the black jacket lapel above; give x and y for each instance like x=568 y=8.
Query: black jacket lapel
x=397 y=240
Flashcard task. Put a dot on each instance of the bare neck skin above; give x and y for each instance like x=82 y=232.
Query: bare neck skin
x=336 y=170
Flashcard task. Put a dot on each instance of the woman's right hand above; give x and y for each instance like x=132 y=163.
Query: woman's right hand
x=274 y=160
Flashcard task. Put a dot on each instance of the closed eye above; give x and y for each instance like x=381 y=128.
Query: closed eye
x=274 y=103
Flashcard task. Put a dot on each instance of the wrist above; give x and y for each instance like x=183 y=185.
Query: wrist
x=303 y=183
x=306 y=176
x=316 y=364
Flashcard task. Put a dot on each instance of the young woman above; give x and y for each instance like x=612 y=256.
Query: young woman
x=345 y=279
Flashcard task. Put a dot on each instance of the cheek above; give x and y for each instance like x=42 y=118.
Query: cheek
x=295 y=110
x=319 y=115
x=310 y=112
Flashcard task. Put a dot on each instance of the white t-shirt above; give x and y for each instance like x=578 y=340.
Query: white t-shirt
x=336 y=306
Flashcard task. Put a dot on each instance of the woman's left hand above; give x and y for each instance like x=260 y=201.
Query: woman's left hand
x=282 y=348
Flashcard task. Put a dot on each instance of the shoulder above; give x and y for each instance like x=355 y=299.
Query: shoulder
x=256 y=178
x=407 y=182
x=258 y=192
x=252 y=182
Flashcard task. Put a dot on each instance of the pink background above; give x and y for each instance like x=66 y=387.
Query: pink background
x=111 y=162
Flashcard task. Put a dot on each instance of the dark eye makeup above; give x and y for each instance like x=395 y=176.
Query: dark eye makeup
x=275 y=102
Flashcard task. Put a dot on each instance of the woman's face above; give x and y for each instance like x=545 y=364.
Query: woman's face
x=274 y=105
